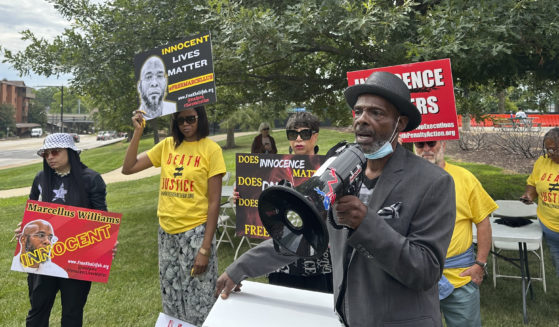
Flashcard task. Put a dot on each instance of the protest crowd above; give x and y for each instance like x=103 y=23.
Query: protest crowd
x=382 y=225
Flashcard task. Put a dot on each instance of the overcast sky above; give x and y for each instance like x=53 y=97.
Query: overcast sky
x=38 y=16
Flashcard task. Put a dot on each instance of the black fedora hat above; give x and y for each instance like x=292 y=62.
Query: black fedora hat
x=393 y=89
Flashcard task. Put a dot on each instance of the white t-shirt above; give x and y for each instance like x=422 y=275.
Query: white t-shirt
x=45 y=268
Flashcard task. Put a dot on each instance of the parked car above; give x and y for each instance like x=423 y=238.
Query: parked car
x=76 y=137
x=101 y=136
x=36 y=132
x=113 y=134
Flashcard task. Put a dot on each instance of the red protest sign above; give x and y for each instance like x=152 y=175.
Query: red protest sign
x=432 y=92
x=255 y=172
x=66 y=241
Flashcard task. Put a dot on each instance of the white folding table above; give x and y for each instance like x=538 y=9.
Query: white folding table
x=260 y=304
x=523 y=235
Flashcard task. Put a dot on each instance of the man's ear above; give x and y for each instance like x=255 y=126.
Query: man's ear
x=402 y=123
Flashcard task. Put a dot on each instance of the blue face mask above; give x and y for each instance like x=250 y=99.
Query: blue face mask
x=386 y=149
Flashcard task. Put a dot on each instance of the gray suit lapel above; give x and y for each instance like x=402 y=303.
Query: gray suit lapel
x=390 y=177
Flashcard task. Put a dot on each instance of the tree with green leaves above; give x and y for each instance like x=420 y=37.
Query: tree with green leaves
x=7 y=119
x=275 y=54
x=37 y=114
x=279 y=54
x=490 y=43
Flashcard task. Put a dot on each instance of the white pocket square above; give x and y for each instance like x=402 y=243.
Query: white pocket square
x=391 y=212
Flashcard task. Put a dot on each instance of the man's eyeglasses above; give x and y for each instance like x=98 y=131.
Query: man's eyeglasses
x=189 y=119
x=293 y=134
x=54 y=152
x=420 y=145
x=552 y=151
x=43 y=236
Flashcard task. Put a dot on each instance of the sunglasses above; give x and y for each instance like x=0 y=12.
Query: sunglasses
x=305 y=134
x=265 y=129
x=552 y=151
x=54 y=152
x=189 y=119
x=420 y=145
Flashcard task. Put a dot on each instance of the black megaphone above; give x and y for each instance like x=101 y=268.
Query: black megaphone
x=296 y=217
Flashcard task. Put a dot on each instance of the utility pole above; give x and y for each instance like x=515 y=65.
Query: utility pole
x=61 y=105
x=62 y=109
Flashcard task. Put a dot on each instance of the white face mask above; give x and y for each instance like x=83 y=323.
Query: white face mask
x=386 y=149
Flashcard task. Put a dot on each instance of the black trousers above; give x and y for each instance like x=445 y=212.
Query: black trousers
x=42 y=292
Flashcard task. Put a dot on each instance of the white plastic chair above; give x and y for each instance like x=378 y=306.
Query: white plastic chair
x=498 y=246
x=224 y=221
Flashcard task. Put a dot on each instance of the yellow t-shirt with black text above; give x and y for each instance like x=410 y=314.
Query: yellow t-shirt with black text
x=545 y=178
x=473 y=204
x=183 y=187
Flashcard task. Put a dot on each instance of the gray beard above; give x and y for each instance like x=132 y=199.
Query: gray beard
x=153 y=107
x=31 y=248
x=373 y=147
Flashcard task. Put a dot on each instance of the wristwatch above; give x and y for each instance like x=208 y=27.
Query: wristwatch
x=204 y=252
x=482 y=265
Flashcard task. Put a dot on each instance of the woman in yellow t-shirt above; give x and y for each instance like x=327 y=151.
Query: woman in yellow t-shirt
x=192 y=166
x=543 y=184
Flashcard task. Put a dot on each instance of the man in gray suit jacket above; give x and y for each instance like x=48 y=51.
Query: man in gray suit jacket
x=390 y=254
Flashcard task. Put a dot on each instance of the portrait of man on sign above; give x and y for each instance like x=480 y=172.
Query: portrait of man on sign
x=152 y=88
x=36 y=241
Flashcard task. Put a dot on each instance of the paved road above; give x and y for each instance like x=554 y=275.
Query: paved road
x=110 y=177
x=19 y=152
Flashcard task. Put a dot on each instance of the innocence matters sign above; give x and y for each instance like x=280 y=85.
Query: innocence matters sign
x=432 y=92
x=66 y=241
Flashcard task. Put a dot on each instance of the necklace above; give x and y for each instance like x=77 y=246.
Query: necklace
x=62 y=173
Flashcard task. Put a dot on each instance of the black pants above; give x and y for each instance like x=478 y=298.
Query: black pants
x=42 y=292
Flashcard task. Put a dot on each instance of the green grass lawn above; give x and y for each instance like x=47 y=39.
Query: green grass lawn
x=131 y=297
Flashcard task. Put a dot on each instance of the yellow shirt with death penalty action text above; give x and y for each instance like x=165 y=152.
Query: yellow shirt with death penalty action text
x=183 y=187
x=545 y=178
x=473 y=204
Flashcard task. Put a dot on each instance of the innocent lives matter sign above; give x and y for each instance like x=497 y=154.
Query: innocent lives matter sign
x=432 y=92
x=255 y=173
x=65 y=241
x=182 y=70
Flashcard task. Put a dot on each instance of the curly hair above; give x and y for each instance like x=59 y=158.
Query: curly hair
x=552 y=134
x=303 y=119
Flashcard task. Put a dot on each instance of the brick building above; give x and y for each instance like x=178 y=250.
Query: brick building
x=19 y=96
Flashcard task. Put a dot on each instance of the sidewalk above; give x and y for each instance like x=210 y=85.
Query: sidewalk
x=115 y=175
